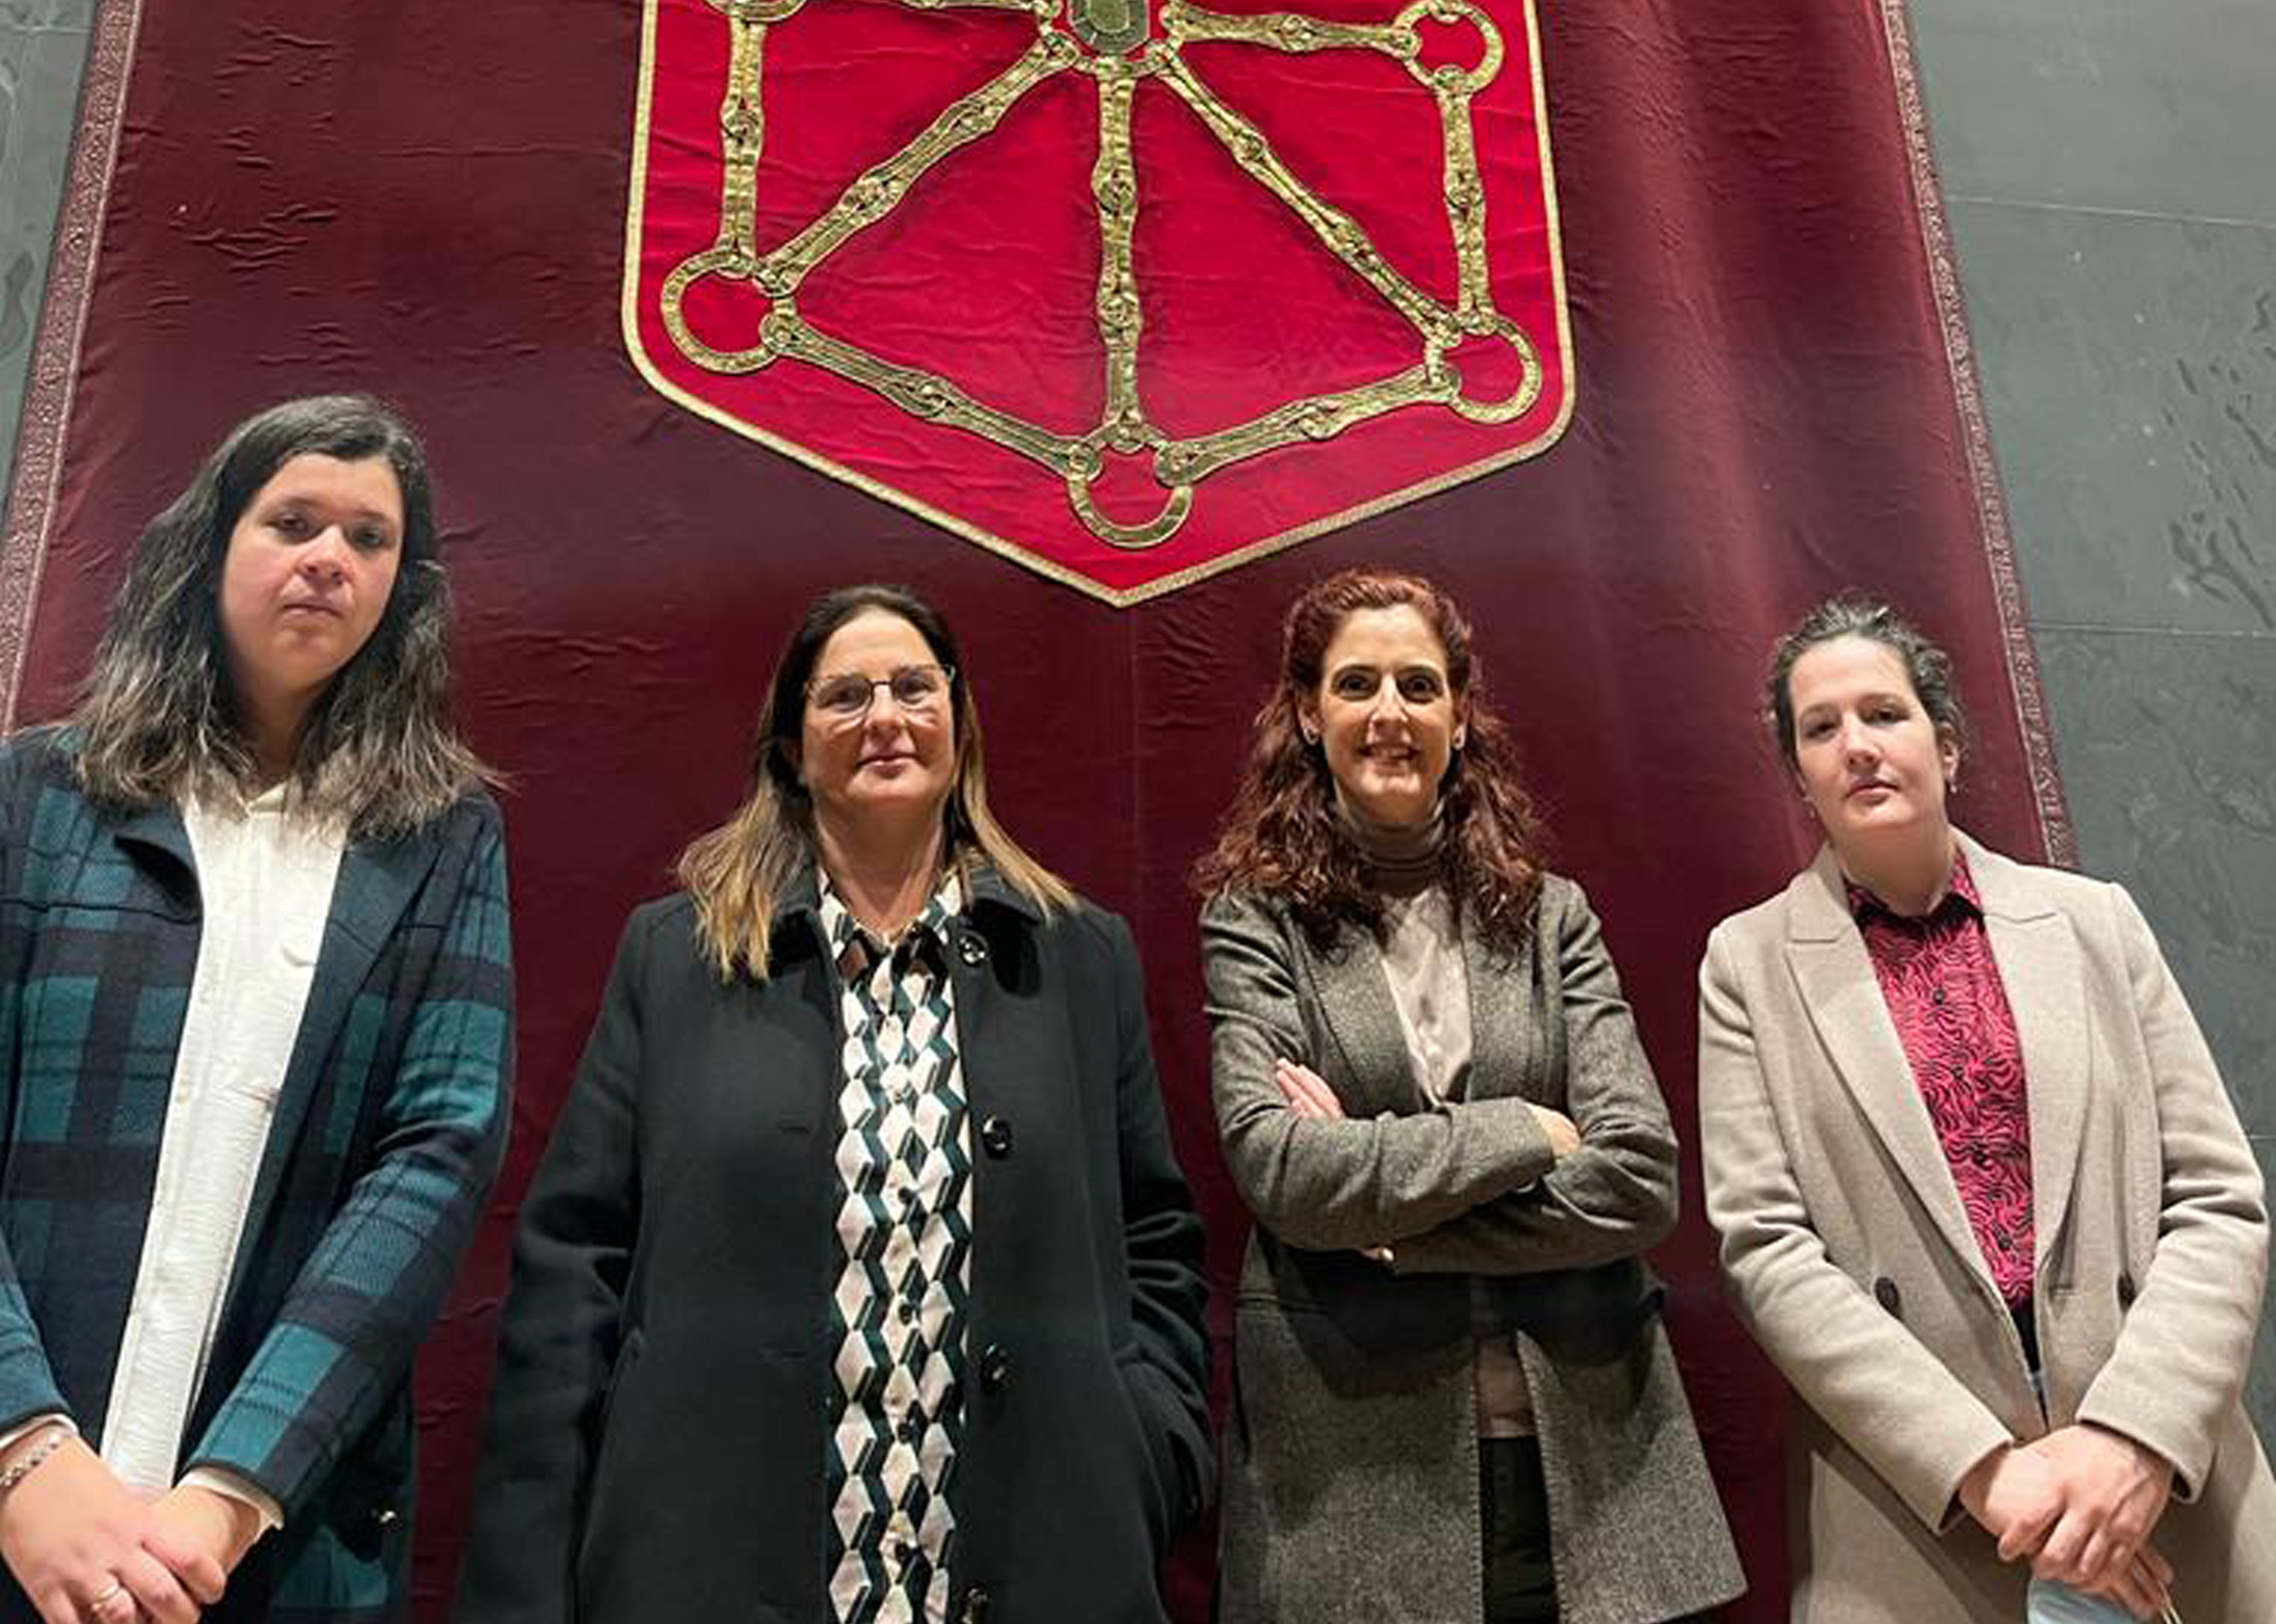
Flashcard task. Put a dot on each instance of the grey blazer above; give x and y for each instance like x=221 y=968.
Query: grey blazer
x=1852 y=1258
x=1351 y=1454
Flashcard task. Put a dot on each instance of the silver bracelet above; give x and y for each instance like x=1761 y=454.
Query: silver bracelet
x=24 y=1465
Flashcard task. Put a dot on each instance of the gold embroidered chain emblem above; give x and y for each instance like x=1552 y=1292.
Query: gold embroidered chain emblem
x=1099 y=40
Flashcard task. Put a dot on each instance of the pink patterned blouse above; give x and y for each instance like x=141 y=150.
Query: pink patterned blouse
x=1945 y=994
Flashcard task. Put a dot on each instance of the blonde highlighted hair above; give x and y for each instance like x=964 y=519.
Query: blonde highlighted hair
x=737 y=874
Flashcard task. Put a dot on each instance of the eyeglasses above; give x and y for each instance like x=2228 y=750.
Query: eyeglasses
x=844 y=697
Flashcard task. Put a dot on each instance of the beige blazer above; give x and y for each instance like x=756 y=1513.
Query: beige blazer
x=1852 y=1260
x=1351 y=1486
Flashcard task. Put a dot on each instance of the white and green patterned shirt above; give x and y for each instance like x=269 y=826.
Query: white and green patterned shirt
x=903 y=1168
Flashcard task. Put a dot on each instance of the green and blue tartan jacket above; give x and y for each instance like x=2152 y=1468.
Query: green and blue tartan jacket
x=387 y=1134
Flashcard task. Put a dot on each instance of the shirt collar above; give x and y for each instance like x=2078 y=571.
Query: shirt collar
x=855 y=948
x=1961 y=898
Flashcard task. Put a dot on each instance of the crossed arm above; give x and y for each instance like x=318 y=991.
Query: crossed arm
x=1487 y=1186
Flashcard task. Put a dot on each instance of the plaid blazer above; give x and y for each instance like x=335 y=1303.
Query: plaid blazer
x=387 y=1134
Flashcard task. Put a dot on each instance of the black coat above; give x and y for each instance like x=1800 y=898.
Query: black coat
x=658 y=1431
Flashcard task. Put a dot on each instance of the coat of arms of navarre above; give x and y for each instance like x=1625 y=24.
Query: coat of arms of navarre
x=1126 y=289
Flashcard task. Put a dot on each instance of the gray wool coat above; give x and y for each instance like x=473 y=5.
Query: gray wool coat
x=1853 y=1260
x=1351 y=1489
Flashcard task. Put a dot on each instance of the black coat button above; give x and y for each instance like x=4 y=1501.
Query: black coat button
x=996 y=1137
x=974 y=1610
x=2124 y=1289
x=1885 y=1293
x=995 y=1368
x=972 y=948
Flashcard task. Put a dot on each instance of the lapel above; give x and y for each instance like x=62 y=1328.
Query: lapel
x=1504 y=1028
x=375 y=883
x=1016 y=1053
x=1376 y=1074
x=1840 y=995
x=159 y=831
x=2044 y=972
x=1008 y=1039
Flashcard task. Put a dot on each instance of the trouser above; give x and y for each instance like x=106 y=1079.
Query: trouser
x=1513 y=1503
x=1520 y=1584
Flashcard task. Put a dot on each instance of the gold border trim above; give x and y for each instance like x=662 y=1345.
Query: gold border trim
x=2056 y=832
x=52 y=378
x=1119 y=598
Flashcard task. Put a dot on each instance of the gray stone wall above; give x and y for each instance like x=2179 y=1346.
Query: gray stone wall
x=2109 y=171
x=42 y=54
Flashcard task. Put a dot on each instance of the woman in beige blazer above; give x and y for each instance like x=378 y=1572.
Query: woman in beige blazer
x=1982 y=1196
x=1453 y=1401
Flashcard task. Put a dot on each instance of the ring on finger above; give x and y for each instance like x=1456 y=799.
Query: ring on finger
x=103 y=1603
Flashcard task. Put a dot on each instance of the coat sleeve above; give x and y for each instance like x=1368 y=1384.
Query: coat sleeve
x=1337 y=1186
x=345 y=1335
x=1872 y=1381
x=1615 y=1196
x=563 y=1326
x=1162 y=1248
x=28 y=1385
x=2186 y=1342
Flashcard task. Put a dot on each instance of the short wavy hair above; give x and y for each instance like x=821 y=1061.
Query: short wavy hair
x=1283 y=838
x=157 y=718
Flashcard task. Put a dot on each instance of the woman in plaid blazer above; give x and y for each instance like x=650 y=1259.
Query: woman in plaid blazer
x=255 y=1041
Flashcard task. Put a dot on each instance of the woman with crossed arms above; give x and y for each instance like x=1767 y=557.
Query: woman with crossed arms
x=1453 y=1398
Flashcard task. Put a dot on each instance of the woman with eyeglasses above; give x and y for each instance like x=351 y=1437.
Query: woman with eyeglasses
x=859 y=1281
x=1452 y=1400
x=1982 y=1199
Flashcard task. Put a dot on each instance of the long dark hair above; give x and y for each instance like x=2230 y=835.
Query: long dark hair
x=157 y=718
x=1283 y=837
x=738 y=873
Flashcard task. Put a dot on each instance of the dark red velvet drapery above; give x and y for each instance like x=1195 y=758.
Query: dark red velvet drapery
x=427 y=200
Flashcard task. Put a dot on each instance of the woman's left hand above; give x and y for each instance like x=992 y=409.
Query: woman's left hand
x=2113 y=1493
x=201 y=1534
x=1307 y=1091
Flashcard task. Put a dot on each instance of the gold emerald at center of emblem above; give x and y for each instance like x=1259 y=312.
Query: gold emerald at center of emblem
x=1108 y=27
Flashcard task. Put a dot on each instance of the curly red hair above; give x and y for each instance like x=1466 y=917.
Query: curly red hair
x=1283 y=837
